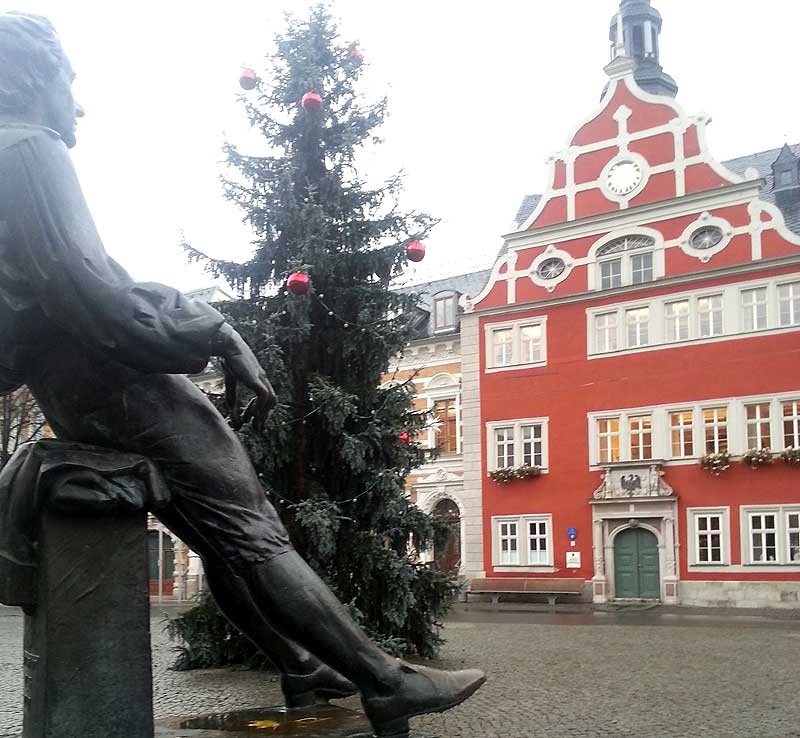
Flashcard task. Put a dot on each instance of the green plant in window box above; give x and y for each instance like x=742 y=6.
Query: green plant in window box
x=503 y=475
x=509 y=473
x=526 y=471
x=716 y=463
x=791 y=456
x=756 y=457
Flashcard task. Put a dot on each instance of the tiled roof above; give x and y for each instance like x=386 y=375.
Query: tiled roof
x=464 y=284
x=789 y=202
x=527 y=206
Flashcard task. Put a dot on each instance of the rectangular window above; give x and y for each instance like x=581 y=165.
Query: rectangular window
x=715 y=422
x=509 y=551
x=503 y=343
x=709 y=314
x=447 y=439
x=605 y=332
x=444 y=312
x=504 y=443
x=610 y=274
x=608 y=434
x=530 y=343
x=680 y=427
x=676 y=315
x=641 y=436
x=754 y=309
x=532 y=445
x=637 y=320
x=789 y=304
x=763 y=536
x=521 y=343
x=791 y=424
x=641 y=268
x=538 y=551
x=757 y=420
x=793 y=537
x=708 y=529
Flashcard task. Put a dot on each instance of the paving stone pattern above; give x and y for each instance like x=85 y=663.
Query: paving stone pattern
x=728 y=679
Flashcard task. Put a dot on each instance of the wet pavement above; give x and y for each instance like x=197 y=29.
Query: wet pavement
x=660 y=673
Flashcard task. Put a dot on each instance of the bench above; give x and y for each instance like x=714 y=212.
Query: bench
x=550 y=587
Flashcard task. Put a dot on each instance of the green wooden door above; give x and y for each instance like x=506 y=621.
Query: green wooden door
x=636 y=573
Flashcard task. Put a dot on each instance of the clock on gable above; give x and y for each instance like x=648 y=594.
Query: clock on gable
x=623 y=177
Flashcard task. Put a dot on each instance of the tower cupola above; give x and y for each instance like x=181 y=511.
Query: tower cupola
x=640 y=26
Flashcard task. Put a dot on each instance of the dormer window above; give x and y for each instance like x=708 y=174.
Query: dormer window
x=625 y=260
x=444 y=311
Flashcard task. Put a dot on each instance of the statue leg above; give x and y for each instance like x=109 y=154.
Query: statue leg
x=392 y=691
x=304 y=678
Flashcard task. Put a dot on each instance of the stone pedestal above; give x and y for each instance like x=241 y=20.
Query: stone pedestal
x=87 y=642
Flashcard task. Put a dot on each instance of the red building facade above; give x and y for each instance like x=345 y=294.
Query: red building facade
x=644 y=317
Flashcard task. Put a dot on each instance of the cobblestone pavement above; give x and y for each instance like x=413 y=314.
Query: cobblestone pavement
x=553 y=676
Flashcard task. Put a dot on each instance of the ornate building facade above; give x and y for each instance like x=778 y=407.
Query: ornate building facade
x=642 y=317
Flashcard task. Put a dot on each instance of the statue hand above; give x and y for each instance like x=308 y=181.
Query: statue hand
x=241 y=365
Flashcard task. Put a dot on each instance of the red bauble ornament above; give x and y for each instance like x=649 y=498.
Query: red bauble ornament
x=298 y=283
x=248 y=79
x=405 y=438
x=356 y=56
x=415 y=251
x=311 y=101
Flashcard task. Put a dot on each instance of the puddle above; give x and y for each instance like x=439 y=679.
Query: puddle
x=329 y=721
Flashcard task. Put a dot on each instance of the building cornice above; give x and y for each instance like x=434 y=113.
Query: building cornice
x=735 y=194
x=753 y=267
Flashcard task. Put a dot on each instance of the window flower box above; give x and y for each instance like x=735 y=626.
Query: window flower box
x=716 y=463
x=791 y=456
x=756 y=457
x=509 y=473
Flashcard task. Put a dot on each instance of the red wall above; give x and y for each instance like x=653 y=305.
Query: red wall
x=570 y=386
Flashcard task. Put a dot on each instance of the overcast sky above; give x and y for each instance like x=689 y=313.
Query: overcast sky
x=480 y=94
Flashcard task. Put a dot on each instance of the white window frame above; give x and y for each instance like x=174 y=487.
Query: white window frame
x=656 y=251
x=517 y=425
x=522 y=522
x=508 y=530
x=675 y=324
x=448 y=298
x=515 y=326
x=609 y=331
x=758 y=422
x=693 y=553
x=714 y=329
x=725 y=323
x=716 y=424
x=681 y=429
x=598 y=435
x=641 y=328
x=636 y=430
x=793 y=301
x=781 y=513
x=749 y=308
x=444 y=386
x=794 y=419
x=662 y=426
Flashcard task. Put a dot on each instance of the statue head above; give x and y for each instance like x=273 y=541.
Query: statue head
x=36 y=76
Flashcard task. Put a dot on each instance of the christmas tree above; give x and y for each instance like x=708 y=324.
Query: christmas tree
x=318 y=311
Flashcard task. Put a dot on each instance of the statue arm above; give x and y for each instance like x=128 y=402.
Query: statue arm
x=147 y=326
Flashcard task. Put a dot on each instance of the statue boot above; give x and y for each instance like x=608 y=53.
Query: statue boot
x=302 y=607
x=305 y=680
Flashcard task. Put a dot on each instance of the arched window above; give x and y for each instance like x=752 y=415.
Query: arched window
x=626 y=260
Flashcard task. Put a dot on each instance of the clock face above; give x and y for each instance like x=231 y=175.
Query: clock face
x=624 y=177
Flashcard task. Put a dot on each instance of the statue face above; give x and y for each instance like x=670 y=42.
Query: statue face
x=61 y=111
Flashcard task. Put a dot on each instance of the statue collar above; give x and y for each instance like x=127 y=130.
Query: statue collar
x=13 y=133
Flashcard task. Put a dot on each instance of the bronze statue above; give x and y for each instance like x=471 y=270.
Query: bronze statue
x=105 y=358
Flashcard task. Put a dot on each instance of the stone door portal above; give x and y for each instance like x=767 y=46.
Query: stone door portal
x=636 y=568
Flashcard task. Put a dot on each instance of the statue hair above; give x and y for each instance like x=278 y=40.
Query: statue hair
x=30 y=58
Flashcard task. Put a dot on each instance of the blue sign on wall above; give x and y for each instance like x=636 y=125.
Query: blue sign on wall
x=572 y=533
